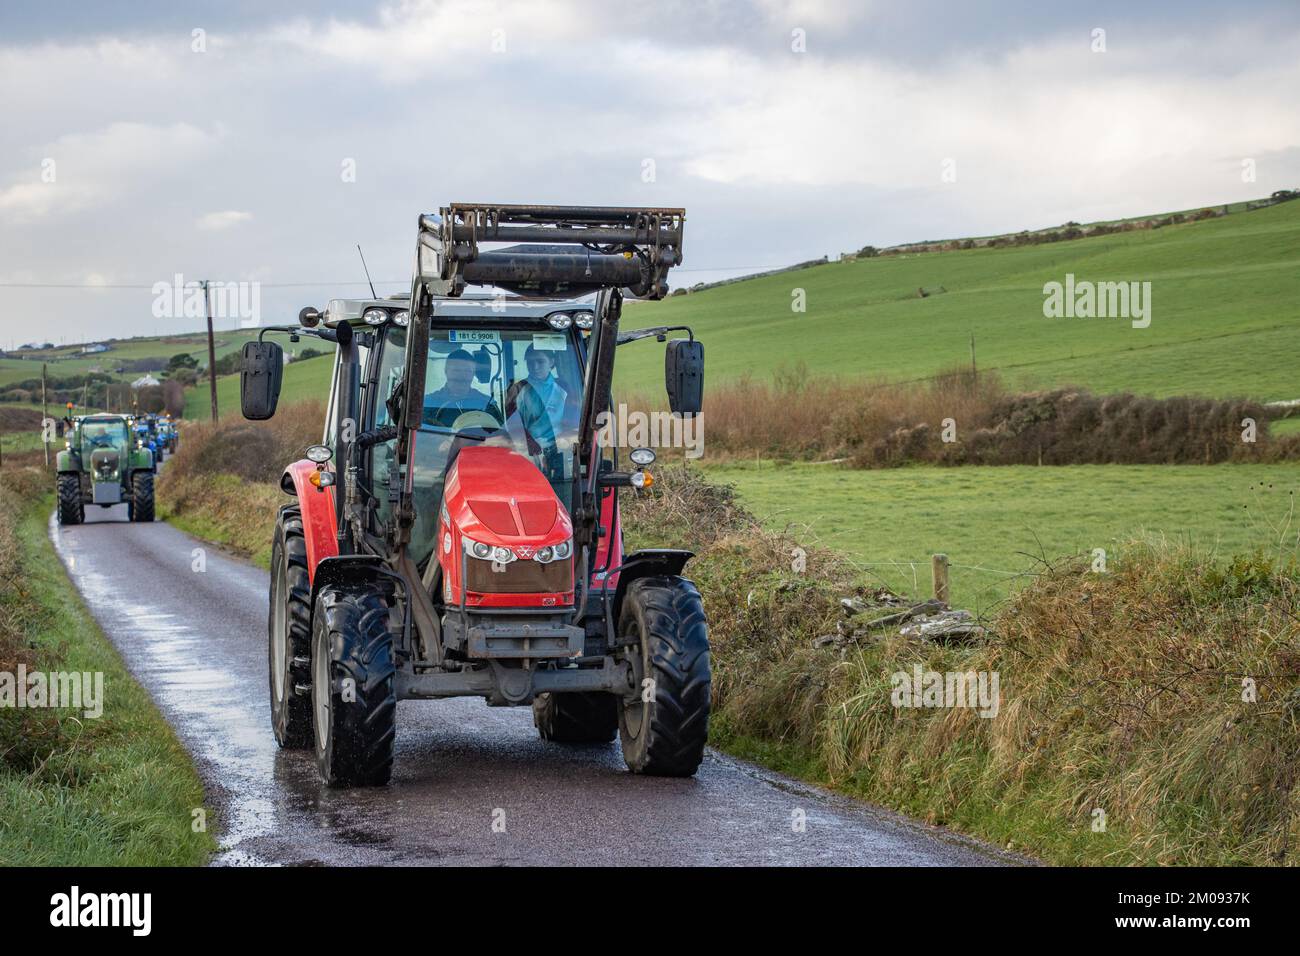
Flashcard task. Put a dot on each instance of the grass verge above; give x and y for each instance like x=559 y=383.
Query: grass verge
x=117 y=790
x=995 y=522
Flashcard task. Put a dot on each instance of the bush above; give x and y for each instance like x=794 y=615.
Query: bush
x=252 y=451
x=149 y=399
x=875 y=425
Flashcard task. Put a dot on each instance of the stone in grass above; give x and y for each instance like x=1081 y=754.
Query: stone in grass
x=944 y=627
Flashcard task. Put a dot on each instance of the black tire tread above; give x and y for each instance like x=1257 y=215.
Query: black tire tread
x=676 y=627
x=297 y=731
x=71 y=509
x=142 y=496
x=579 y=718
x=364 y=731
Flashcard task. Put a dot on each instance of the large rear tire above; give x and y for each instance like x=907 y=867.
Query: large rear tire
x=142 y=496
x=71 y=509
x=665 y=726
x=353 y=692
x=289 y=633
x=589 y=718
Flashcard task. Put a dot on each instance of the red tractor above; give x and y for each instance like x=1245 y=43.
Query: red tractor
x=457 y=531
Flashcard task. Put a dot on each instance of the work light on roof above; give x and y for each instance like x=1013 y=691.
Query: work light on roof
x=375 y=316
x=559 y=321
x=584 y=320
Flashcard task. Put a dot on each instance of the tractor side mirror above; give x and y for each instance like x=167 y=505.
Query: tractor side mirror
x=259 y=380
x=684 y=376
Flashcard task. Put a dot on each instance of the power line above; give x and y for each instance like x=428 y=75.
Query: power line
x=304 y=285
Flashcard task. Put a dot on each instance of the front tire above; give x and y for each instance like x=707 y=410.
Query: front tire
x=353 y=692
x=587 y=718
x=665 y=725
x=141 y=496
x=289 y=634
x=71 y=508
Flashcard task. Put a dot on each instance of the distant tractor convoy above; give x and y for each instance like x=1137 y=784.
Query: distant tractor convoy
x=457 y=531
x=104 y=464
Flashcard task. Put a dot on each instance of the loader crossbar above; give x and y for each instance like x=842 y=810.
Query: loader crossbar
x=555 y=248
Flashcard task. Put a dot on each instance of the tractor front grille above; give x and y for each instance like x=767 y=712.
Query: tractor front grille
x=522 y=576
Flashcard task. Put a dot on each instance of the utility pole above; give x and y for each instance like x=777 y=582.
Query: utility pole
x=44 y=415
x=212 y=351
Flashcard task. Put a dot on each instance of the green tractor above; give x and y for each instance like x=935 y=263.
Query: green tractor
x=103 y=465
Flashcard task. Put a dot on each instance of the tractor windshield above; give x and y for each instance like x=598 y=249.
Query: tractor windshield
x=105 y=435
x=518 y=388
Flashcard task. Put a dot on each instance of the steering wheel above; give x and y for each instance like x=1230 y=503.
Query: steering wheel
x=475 y=419
x=475 y=425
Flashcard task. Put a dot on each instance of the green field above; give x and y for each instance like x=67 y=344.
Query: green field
x=1004 y=518
x=68 y=361
x=1224 y=320
x=303 y=381
x=1225 y=295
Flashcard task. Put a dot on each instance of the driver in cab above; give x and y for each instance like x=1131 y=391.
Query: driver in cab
x=458 y=394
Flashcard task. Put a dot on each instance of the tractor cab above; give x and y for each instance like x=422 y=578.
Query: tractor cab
x=104 y=445
x=493 y=381
x=457 y=531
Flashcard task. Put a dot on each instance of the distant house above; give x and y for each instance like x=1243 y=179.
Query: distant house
x=144 y=381
x=93 y=349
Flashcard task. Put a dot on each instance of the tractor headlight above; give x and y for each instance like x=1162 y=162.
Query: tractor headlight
x=375 y=316
x=487 y=552
x=554 y=552
x=584 y=320
x=559 y=321
x=402 y=318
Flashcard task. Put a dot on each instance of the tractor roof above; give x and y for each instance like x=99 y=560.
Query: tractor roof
x=471 y=305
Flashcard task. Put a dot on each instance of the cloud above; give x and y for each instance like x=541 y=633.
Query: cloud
x=79 y=171
x=215 y=221
x=839 y=147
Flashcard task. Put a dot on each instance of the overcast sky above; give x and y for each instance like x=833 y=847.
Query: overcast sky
x=263 y=147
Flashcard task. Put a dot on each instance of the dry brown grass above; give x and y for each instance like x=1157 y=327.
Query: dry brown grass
x=253 y=451
x=874 y=424
x=223 y=482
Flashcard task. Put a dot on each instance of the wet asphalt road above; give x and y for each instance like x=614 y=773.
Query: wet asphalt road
x=197 y=641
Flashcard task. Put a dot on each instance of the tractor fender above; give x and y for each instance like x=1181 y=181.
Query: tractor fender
x=346 y=569
x=141 y=459
x=319 y=523
x=646 y=563
x=67 y=461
